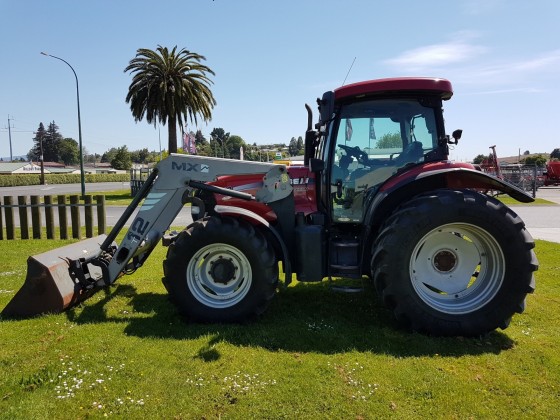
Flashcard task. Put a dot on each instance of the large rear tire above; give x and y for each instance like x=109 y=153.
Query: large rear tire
x=221 y=269
x=454 y=263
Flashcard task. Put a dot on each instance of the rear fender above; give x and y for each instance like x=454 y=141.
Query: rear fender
x=463 y=178
x=255 y=219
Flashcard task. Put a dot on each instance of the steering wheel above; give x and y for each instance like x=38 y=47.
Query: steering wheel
x=360 y=155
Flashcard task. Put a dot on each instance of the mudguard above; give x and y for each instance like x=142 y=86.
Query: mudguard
x=256 y=219
x=460 y=178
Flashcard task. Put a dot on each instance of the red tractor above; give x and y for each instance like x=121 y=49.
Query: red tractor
x=377 y=197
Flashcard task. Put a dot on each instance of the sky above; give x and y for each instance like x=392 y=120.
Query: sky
x=272 y=57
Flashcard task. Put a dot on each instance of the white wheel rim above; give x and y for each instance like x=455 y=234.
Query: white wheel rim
x=457 y=268
x=208 y=283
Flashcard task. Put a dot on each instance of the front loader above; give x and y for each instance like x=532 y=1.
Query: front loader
x=61 y=278
x=376 y=198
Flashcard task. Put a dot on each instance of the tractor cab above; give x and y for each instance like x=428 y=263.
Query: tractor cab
x=372 y=131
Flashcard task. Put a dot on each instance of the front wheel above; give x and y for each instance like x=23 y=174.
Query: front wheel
x=454 y=263
x=221 y=269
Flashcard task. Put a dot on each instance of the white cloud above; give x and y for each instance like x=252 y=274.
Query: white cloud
x=457 y=50
x=512 y=72
x=466 y=62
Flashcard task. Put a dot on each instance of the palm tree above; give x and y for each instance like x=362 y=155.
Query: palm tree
x=168 y=87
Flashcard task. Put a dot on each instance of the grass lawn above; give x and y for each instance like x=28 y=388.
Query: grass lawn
x=314 y=354
x=116 y=197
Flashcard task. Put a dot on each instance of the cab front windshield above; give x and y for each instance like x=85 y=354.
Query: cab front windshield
x=374 y=140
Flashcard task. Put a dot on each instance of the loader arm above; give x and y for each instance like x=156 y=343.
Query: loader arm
x=61 y=278
x=176 y=178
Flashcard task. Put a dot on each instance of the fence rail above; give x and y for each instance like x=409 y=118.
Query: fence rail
x=47 y=207
x=526 y=177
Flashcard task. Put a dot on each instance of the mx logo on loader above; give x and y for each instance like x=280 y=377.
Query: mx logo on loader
x=190 y=167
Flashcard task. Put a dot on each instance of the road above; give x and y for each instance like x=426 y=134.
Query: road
x=542 y=221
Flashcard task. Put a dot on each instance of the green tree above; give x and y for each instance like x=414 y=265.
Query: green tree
x=293 y=147
x=200 y=139
x=220 y=138
x=479 y=159
x=122 y=159
x=140 y=156
x=109 y=155
x=300 y=145
x=40 y=135
x=233 y=147
x=51 y=152
x=69 y=151
x=143 y=155
x=389 y=141
x=169 y=87
x=538 y=160
x=90 y=157
x=49 y=140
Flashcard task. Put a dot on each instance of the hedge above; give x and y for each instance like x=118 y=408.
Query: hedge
x=35 y=179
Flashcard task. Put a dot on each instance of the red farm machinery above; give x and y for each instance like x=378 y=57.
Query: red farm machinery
x=376 y=198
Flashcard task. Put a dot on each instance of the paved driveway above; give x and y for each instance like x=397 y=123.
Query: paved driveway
x=543 y=222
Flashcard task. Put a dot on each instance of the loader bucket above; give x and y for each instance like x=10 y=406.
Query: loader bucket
x=49 y=286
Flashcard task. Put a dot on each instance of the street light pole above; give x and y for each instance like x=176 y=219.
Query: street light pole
x=82 y=175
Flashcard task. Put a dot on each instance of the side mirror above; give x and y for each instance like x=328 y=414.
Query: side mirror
x=326 y=106
x=456 y=136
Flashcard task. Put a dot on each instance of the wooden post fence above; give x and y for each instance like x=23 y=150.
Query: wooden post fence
x=10 y=225
x=35 y=217
x=75 y=217
x=49 y=216
x=1 y=222
x=62 y=216
x=101 y=214
x=47 y=207
x=23 y=221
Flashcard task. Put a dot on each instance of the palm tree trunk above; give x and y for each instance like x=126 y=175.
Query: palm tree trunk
x=172 y=131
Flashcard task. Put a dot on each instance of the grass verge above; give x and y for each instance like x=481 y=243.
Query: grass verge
x=116 y=197
x=508 y=201
x=315 y=354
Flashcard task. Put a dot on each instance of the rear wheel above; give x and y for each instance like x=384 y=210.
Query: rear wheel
x=454 y=263
x=221 y=269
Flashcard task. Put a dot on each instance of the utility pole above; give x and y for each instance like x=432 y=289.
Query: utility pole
x=10 y=137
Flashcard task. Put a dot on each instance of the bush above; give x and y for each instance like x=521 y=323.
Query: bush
x=35 y=179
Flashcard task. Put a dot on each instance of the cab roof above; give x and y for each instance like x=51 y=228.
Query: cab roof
x=438 y=86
